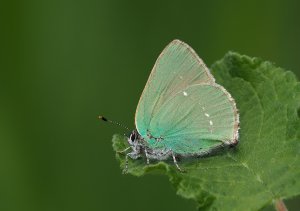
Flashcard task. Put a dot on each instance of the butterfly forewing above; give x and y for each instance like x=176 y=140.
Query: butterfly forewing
x=177 y=67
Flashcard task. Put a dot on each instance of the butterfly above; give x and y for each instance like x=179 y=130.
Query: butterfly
x=182 y=110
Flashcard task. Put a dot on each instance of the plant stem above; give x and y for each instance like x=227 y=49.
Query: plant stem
x=280 y=206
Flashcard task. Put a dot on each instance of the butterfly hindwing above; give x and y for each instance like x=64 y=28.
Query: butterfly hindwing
x=196 y=120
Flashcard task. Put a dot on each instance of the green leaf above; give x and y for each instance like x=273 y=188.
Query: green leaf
x=264 y=167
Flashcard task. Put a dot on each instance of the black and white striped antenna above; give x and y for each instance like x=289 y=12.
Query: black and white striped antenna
x=113 y=122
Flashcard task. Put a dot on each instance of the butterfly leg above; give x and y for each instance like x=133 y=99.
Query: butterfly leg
x=122 y=151
x=133 y=155
x=175 y=162
x=126 y=165
x=147 y=157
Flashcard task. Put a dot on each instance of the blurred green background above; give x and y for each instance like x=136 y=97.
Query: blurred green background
x=64 y=62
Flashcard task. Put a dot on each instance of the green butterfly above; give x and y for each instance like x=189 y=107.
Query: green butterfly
x=182 y=111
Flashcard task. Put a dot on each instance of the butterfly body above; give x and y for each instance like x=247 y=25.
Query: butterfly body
x=140 y=147
x=182 y=111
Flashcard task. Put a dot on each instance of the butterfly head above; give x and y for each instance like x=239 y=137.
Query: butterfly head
x=134 y=138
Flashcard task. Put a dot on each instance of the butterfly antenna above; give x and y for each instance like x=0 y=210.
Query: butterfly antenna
x=113 y=122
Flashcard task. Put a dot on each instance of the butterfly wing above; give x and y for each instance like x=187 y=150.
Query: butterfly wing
x=196 y=120
x=177 y=67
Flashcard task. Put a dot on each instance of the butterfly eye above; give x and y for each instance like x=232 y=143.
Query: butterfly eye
x=132 y=137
